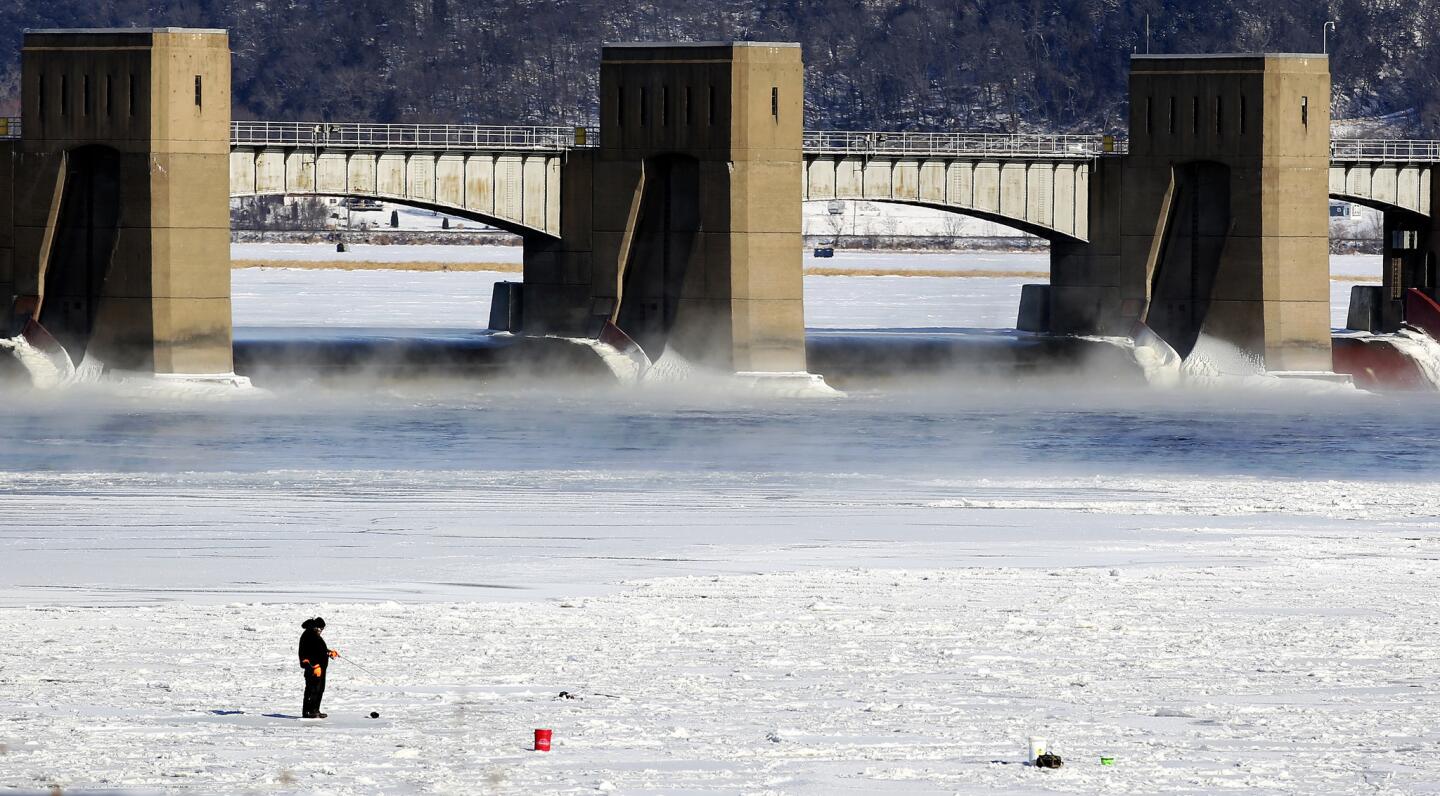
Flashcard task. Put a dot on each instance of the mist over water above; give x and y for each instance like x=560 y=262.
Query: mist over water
x=356 y=469
x=930 y=400
x=988 y=429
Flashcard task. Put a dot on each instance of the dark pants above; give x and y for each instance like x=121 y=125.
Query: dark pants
x=314 y=689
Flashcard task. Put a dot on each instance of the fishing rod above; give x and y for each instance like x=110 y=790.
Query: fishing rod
x=374 y=714
x=358 y=666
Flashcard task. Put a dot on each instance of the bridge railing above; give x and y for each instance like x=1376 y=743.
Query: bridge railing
x=828 y=142
x=402 y=136
x=1384 y=150
x=9 y=127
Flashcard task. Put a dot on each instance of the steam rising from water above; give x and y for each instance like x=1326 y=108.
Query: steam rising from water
x=988 y=429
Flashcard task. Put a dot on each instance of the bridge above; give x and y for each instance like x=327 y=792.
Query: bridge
x=1384 y=174
x=508 y=177
x=678 y=219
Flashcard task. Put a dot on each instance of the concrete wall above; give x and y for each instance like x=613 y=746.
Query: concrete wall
x=731 y=293
x=7 y=220
x=1047 y=198
x=1087 y=278
x=519 y=193
x=165 y=300
x=1262 y=119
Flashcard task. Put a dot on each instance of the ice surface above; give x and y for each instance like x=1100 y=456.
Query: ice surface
x=1038 y=261
x=1267 y=667
x=1248 y=636
x=290 y=297
x=1225 y=591
x=416 y=299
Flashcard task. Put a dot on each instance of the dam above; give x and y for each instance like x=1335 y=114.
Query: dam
x=674 y=228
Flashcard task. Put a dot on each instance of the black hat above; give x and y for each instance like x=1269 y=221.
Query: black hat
x=318 y=621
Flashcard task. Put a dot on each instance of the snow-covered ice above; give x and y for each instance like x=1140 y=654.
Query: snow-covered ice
x=1225 y=591
x=296 y=297
x=1237 y=634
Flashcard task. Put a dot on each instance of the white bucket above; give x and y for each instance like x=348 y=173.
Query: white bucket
x=1037 y=747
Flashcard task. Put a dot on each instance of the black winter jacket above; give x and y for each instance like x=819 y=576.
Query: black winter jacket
x=313 y=651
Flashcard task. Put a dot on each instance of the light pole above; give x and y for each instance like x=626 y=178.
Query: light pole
x=1325 y=38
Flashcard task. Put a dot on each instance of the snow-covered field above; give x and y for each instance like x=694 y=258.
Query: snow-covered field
x=1223 y=591
x=364 y=252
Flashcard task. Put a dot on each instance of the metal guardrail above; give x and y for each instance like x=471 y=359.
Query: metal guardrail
x=405 y=136
x=471 y=137
x=817 y=142
x=826 y=142
x=1384 y=150
x=9 y=126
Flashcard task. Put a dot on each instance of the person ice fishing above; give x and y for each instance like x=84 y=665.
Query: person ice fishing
x=314 y=659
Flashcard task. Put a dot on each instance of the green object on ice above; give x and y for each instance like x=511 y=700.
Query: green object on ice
x=1107 y=761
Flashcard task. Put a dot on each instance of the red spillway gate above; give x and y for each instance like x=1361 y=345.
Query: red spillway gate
x=1375 y=364
x=1422 y=312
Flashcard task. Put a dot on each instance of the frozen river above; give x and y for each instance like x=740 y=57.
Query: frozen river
x=1223 y=590
x=295 y=297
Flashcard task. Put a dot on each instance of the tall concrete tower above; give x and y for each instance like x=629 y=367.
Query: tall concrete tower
x=1216 y=222
x=1226 y=201
x=122 y=227
x=685 y=226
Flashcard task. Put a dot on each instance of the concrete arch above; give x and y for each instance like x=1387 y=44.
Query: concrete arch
x=515 y=191
x=1376 y=204
x=1047 y=197
x=1048 y=233
x=1383 y=186
x=458 y=212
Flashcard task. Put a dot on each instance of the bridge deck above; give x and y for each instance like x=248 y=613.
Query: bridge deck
x=1038 y=183
x=426 y=137
x=510 y=174
x=1361 y=150
x=996 y=145
x=471 y=137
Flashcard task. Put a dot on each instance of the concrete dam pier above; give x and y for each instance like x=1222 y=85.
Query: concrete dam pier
x=114 y=218
x=683 y=228
x=1215 y=222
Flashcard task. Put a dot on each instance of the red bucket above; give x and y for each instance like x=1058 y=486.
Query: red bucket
x=542 y=740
